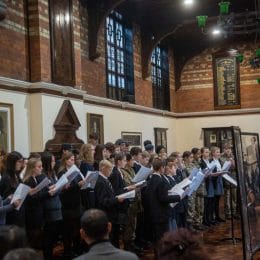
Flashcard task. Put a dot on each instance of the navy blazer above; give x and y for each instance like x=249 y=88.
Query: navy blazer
x=105 y=199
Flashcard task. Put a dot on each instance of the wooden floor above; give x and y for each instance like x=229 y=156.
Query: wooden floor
x=216 y=248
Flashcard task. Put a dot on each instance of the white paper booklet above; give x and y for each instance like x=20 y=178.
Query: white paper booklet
x=62 y=181
x=72 y=173
x=20 y=194
x=90 y=180
x=194 y=172
x=127 y=195
x=142 y=174
x=230 y=179
x=140 y=184
x=186 y=182
x=226 y=166
x=45 y=182
x=196 y=182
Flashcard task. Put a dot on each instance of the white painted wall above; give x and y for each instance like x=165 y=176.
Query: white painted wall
x=189 y=130
x=21 y=110
x=34 y=116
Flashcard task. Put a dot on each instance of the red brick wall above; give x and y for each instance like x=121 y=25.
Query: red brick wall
x=196 y=93
x=13 y=42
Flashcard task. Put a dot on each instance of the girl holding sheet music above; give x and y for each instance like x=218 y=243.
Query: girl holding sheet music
x=8 y=184
x=34 y=203
x=51 y=208
x=71 y=211
x=218 y=187
x=86 y=156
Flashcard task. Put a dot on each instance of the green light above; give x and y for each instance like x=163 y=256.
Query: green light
x=224 y=7
x=201 y=20
x=258 y=80
x=240 y=57
x=257 y=52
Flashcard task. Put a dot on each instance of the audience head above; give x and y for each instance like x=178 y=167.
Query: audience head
x=14 y=163
x=181 y=244
x=23 y=254
x=48 y=162
x=86 y=153
x=11 y=237
x=146 y=142
x=94 y=226
x=105 y=167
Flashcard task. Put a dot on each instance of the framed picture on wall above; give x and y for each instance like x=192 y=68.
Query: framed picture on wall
x=226 y=79
x=6 y=127
x=160 y=136
x=250 y=149
x=95 y=126
x=132 y=138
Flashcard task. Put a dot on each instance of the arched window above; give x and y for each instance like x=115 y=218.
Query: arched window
x=160 y=78
x=119 y=58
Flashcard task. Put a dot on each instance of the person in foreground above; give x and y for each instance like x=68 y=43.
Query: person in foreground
x=95 y=229
x=181 y=244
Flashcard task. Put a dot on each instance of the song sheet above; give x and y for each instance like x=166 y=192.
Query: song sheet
x=90 y=180
x=196 y=182
x=20 y=194
x=45 y=182
x=142 y=174
x=127 y=195
x=230 y=179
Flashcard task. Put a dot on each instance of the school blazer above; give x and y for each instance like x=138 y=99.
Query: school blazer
x=105 y=199
x=157 y=193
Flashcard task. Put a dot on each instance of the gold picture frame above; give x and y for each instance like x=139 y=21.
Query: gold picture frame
x=95 y=126
x=6 y=127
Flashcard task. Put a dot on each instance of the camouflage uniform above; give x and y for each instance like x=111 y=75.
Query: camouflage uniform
x=128 y=235
x=227 y=207
x=191 y=199
x=199 y=200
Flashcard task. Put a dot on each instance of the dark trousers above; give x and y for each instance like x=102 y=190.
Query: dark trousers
x=114 y=235
x=209 y=207
x=51 y=232
x=71 y=234
x=181 y=219
x=216 y=206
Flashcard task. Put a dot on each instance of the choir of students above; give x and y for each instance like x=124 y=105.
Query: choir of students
x=49 y=216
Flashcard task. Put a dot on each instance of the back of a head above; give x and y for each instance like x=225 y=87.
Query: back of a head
x=11 y=237
x=181 y=244
x=23 y=254
x=94 y=222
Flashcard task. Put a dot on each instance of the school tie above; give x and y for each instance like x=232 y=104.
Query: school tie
x=110 y=185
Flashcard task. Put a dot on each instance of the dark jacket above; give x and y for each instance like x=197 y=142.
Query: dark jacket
x=105 y=199
x=52 y=205
x=70 y=198
x=8 y=187
x=157 y=193
x=34 y=204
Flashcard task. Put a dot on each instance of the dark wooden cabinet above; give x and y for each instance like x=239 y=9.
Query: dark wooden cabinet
x=218 y=136
x=61 y=31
